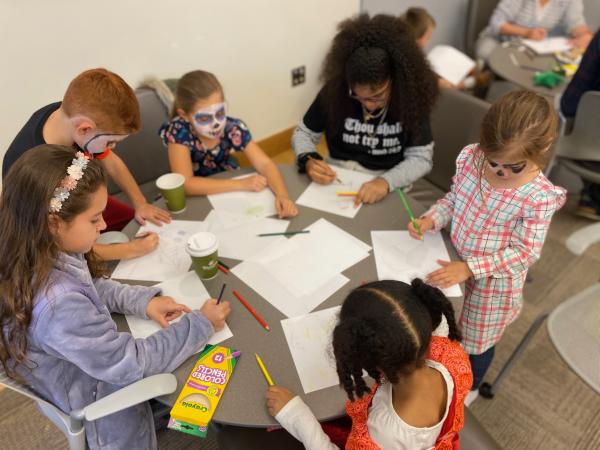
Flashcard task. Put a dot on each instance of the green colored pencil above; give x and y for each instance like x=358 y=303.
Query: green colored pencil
x=409 y=211
x=285 y=233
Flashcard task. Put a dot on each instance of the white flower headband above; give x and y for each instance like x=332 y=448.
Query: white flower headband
x=75 y=172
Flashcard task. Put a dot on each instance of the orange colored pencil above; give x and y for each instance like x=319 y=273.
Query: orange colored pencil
x=346 y=194
x=249 y=308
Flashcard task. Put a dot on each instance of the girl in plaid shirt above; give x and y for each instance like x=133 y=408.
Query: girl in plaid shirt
x=499 y=209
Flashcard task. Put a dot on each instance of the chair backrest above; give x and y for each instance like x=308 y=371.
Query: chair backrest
x=143 y=153
x=583 y=143
x=455 y=122
x=479 y=13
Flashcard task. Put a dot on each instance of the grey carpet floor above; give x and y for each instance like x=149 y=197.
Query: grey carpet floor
x=542 y=404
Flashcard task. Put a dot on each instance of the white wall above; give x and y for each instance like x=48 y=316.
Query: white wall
x=251 y=45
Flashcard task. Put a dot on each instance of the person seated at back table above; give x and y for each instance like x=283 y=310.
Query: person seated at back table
x=534 y=19
x=587 y=78
x=373 y=108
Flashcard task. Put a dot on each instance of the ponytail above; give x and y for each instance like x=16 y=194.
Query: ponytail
x=437 y=304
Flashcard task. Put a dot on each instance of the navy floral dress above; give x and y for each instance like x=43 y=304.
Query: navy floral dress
x=205 y=162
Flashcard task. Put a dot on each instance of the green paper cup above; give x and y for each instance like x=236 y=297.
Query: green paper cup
x=171 y=188
x=203 y=248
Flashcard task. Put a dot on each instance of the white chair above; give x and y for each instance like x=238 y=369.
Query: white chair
x=71 y=425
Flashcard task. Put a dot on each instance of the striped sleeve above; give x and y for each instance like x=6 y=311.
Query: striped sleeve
x=504 y=12
x=526 y=241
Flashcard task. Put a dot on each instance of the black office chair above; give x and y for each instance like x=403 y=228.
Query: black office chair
x=455 y=122
x=143 y=153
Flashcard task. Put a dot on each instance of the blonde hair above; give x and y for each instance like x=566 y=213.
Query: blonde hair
x=520 y=124
x=419 y=20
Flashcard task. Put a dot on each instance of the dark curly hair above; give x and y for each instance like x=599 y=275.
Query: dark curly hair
x=385 y=328
x=369 y=51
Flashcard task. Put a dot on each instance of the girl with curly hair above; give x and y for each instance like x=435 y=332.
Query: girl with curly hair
x=405 y=337
x=373 y=108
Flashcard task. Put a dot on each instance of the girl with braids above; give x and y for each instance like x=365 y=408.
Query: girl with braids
x=499 y=210
x=56 y=332
x=373 y=108
x=387 y=329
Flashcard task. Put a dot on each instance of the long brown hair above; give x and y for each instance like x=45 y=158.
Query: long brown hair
x=28 y=249
x=194 y=86
x=520 y=124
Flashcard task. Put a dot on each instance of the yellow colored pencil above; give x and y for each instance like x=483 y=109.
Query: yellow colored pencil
x=346 y=194
x=264 y=370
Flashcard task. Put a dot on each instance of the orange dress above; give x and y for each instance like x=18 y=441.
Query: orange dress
x=453 y=357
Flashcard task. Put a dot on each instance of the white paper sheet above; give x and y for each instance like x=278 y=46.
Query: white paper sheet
x=186 y=289
x=250 y=204
x=252 y=272
x=548 y=45
x=238 y=235
x=309 y=338
x=168 y=260
x=400 y=257
x=449 y=63
x=325 y=198
x=316 y=257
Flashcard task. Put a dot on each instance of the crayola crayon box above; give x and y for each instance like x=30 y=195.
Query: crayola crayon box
x=202 y=391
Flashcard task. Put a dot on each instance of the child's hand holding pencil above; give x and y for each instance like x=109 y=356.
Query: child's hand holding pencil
x=277 y=398
x=424 y=224
x=216 y=313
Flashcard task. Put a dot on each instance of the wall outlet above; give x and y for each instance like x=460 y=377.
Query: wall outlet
x=298 y=75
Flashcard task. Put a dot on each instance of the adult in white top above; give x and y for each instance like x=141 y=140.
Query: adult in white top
x=534 y=19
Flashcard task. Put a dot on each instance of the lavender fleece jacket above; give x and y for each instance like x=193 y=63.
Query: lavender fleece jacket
x=76 y=355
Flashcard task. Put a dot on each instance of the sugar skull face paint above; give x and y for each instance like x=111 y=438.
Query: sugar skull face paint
x=210 y=121
x=506 y=171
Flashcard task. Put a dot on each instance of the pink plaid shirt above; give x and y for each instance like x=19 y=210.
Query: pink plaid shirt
x=499 y=233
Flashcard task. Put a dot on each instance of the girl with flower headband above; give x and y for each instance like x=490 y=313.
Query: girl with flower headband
x=201 y=139
x=55 y=306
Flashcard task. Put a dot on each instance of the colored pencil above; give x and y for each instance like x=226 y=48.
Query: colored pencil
x=223 y=269
x=285 y=233
x=224 y=265
x=249 y=308
x=409 y=211
x=221 y=293
x=264 y=369
x=346 y=194
x=234 y=355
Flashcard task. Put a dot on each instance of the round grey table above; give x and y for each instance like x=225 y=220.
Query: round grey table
x=521 y=74
x=244 y=401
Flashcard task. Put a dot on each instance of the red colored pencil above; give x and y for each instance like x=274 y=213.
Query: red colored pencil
x=249 y=308
x=223 y=269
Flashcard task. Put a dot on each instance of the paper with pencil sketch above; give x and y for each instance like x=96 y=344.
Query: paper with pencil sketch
x=238 y=235
x=316 y=257
x=548 y=45
x=252 y=272
x=325 y=198
x=249 y=204
x=400 y=257
x=168 y=260
x=309 y=338
x=449 y=63
x=186 y=289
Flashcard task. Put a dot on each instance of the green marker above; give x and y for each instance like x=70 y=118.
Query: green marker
x=408 y=210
